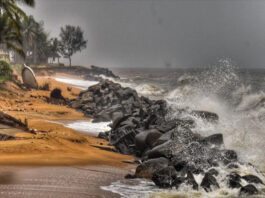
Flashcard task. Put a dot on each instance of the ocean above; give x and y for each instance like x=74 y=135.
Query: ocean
x=236 y=95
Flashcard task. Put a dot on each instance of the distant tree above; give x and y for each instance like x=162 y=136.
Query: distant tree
x=54 y=49
x=36 y=44
x=72 y=41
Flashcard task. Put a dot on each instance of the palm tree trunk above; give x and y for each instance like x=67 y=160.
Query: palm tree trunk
x=35 y=54
x=70 y=61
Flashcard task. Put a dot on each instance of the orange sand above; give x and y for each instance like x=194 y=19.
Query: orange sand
x=53 y=144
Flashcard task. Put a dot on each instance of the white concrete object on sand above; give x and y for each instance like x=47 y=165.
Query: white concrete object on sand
x=29 y=78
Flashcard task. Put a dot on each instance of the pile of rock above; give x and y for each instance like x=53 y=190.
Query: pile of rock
x=171 y=153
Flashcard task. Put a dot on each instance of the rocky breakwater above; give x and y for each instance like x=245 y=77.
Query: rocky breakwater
x=171 y=153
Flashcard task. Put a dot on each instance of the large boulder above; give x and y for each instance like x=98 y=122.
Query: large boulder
x=252 y=179
x=248 y=190
x=209 y=182
x=164 y=178
x=149 y=167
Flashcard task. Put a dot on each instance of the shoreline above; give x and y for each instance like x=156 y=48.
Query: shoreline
x=54 y=144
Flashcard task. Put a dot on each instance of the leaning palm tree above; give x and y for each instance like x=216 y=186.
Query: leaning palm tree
x=11 y=8
x=11 y=16
x=9 y=37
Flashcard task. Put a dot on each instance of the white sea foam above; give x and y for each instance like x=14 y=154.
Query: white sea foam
x=82 y=84
x=241 y=114
x=87 y=126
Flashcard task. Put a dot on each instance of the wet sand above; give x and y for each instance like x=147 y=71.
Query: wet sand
x=58 y=182
x=53 y=144
x=57 y=161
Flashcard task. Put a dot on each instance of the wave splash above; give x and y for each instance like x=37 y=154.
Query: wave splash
x=241 y=111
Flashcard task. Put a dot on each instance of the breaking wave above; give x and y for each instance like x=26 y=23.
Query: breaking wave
x=241 y=111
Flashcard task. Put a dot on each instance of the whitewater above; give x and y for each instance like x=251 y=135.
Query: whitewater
x=236 y=95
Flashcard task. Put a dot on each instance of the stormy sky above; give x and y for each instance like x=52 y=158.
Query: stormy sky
x=161 y=33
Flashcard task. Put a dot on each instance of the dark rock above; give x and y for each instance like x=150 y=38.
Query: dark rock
x=248 y=190
x=234 y=180
x=165 y=177
x=213 y=172
x=252 y=179
x=191 y=181
x=140 y=141
x=103 y=135
x=229 y=156
x=56 y=94
x=163 y=138
x=216 y=139
x=232 y=166
x=166 y=150
x=209 y=181
x=149 y=167
x=152 y=136
x=4 y=137
x=129 y=176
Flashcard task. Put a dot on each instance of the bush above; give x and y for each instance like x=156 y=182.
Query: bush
x=5 y=69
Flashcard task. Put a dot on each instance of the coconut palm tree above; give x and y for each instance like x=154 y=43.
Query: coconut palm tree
x=11 y=16
x=36 y=44
x=13 y=10
x=9 y=37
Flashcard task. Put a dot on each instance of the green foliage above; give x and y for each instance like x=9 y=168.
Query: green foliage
x=36 y=43
x=72 y=41
x=5 y=69
x=9 y=36
x=11 y=16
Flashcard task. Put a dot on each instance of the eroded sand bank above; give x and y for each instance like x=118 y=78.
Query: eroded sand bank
x=53 y=144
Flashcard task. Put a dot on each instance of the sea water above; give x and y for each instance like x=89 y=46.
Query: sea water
x=236 y=95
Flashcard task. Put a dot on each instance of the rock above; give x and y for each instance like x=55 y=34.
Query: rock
x=234 y=180
x=56 y=94
x=163 y=138
x=191 y=181
x=4 y=137
x=213 y=172
x=166 y=150
x=140 y=141
x=248 y=190
x=103 y=135
x=165 y=177
x=149 y=167
x=129 y=176
x=208 y=182
x=252 y=179
x=95 y=70
x=216 y=139
x=232 y=166
x=152 y=137
x=146 y=139
x=229 y=156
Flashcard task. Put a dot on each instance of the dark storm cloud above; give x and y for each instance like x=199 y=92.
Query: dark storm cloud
x=153 y=33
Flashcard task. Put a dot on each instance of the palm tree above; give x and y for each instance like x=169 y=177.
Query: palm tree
x=9 y=37
x=36 y=44
x=11 y=15
x=54 y=49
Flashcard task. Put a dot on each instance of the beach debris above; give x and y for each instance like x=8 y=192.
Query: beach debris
x=29 y=78
x=56 y=97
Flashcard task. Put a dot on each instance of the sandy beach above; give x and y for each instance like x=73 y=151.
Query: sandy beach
x=53 y=144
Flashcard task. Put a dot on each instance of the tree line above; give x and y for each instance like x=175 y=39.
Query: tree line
x=29 y=41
